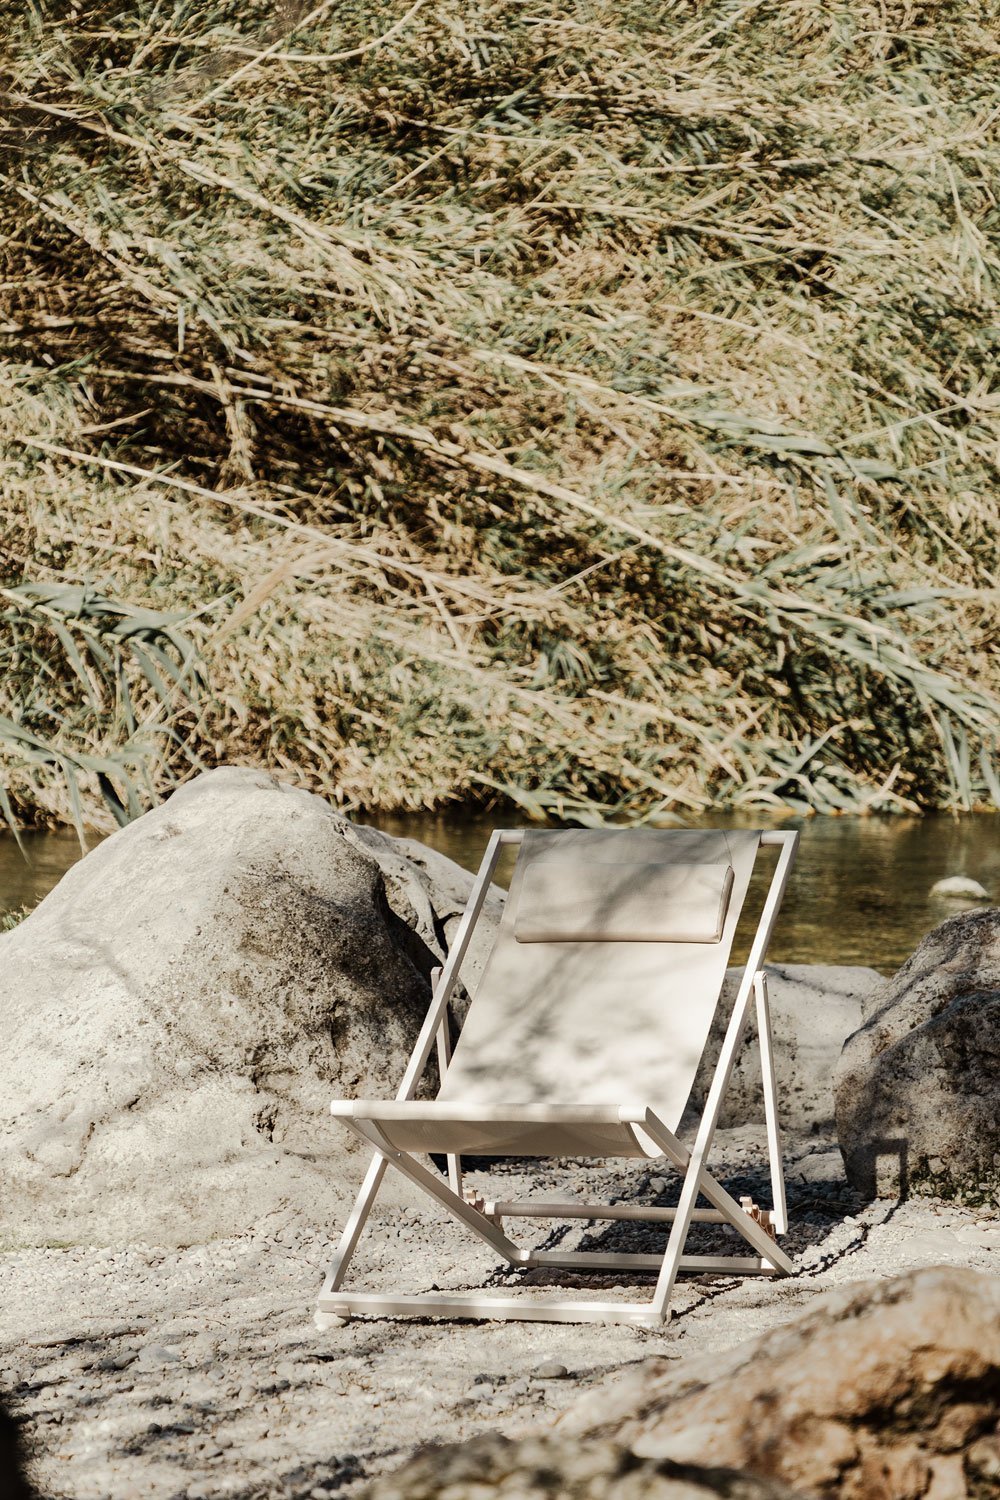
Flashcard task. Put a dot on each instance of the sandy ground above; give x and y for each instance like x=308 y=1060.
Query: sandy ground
x=165 y=1373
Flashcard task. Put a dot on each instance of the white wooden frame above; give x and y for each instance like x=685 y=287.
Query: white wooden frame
x=485 y=1219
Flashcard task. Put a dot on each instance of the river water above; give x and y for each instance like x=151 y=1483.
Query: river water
x=859 y=893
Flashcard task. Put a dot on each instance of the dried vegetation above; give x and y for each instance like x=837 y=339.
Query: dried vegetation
x=586 y=402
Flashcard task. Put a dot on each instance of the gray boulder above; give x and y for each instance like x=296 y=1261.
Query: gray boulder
x=814 y=1008
x=960 y=887
x=918 y=1084
x=180 y=1009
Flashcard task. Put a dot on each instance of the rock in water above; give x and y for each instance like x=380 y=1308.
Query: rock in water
x=13 y=1484
x=883 y=1390
x=918 y=1085
x=960 y=886
x=545 y=1468
x=179 y=1011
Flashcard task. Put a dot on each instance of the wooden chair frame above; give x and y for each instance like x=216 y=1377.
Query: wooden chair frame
x=484 y=1218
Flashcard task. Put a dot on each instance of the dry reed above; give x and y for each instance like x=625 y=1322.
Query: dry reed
x=582 y=403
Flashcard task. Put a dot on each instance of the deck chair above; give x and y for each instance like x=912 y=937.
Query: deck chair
x=583 y=1039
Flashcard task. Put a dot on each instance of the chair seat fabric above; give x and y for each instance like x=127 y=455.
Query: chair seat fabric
x=497 y=1130
x=598 y=1023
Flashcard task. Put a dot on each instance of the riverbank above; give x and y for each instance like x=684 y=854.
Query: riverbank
x=861 y=891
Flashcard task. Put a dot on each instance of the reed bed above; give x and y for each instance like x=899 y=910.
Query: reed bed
x=586 y=404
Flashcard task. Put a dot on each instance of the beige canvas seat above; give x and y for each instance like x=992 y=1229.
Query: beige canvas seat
x=583 y=1039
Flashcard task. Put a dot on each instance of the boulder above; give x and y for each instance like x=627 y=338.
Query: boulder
x=887 y=1390
x=13 y=1482
x=814 y=1008
x=179 y=1011
x=960 y=887
x=918 y=1084
x=545 y=1468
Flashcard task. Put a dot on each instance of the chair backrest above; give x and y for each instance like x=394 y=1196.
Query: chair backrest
x=607 y=969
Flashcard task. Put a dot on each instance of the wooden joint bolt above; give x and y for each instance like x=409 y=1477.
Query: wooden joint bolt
x=759 y=1215
x=478 y=1202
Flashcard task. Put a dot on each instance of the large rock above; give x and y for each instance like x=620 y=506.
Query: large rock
x=918 y=1084
x=884 y=1391
x=814 y=1007
x=543 y=1468
x=13 y=1483
x=180 y=1009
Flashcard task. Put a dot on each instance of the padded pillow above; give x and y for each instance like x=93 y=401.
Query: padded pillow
x=566 y=901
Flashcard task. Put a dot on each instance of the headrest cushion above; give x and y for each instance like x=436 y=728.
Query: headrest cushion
x=566 y=901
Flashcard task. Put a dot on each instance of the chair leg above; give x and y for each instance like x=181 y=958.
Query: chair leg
x=659 y=1305
x=764 y=1037
x=697 y=1179
x=649 y=1314
x=352 y=1229
x=444 y=1063
x=435 y=1188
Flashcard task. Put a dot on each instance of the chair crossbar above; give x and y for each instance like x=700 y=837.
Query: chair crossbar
x=524 y=1309
x=598 y=1260
x=527 y=1209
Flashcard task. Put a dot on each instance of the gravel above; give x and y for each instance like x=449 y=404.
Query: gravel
x=199 y=1371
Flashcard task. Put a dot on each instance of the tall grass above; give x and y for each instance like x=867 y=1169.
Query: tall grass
x=582 y=402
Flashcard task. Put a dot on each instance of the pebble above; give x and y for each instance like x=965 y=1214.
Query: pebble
x=551 y=1369
x=988 y=1238
x=157 y=1354
x=962 y=886
x=116 y=1361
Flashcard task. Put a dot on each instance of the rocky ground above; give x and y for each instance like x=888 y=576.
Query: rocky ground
x=177 y=1015
x=162 y=1373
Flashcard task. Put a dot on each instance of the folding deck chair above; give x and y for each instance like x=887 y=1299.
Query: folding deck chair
x=583 y=1039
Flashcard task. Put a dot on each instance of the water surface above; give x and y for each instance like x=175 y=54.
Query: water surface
x=859 y=893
